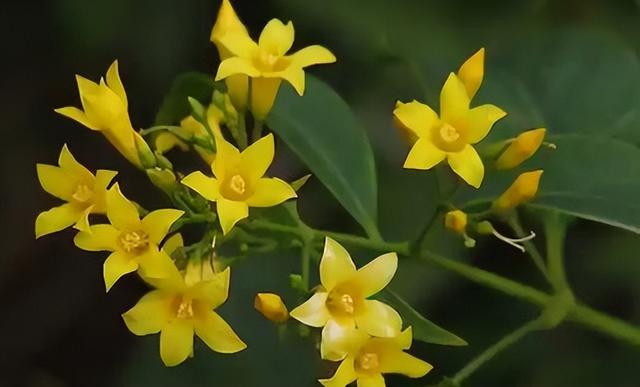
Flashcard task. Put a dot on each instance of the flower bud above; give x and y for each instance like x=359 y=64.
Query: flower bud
x=145 y=154
x=523 y=189
x=271 y=307
x=162 y=178
x=522 y=148
x=456 y=221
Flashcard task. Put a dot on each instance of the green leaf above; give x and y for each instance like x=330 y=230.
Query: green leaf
x=175 y=105
x=423 y=329
x=323 y=131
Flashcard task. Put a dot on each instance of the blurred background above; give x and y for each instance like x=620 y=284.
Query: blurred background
x=570 y=65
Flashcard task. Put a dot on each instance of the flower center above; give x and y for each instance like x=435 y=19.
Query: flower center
x=448 y=133
x=341 y=303
x=185 y=310
x=238 y=185
x=134 y=242
x=83 y=194
x=367 y=362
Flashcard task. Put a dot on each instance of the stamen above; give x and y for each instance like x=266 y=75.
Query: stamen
x=237 y=184
x=367 y=362
x=514 y=241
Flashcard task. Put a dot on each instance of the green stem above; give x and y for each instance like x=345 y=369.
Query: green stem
x=306 y=264
x=603 y=323
x=495 y=349
x=241 y=132
x=530 y=247
x=257 y=130
x=555 y=233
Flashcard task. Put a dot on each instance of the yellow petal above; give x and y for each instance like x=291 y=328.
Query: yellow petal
x=238 y=43
x=150 y=314
x=398 y=362
x=404 y=339
x=213 y=292
x=468 y=165
x=77 y=115
x=227 y=159
x=173 y=243
x=86 y=86
x=227 y=21
x=103 y=179
x=471 y=72
x=276 y=38
x=256 y=159
x=56 y=219
x=481 y=120
x=417 y=117
x=115 y=266
x=263 y=95
x=158 y=270
x=336 y=265
x=115 y=83
x=312 y=55
x=338 y=341
x=122 y=213
x=238 y=90
x=270 y=192
x=56 y=181
x=375 y=275
x=207 y=187
x=371 y=381
x=454 y=101
x=157 y=223
x=424 y=155
x=217 y=334
x=345 y=374
x=167 y=141
x=293 y=75
x=176 y=341
x=83 y=221
x=236 y=65
x=379 y=319
x=313 y=312
x=230 y=213
x=101 y=237
x=72 y=167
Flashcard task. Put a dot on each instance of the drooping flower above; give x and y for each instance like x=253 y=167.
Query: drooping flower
x=342 y=302
x=521 y=148
x=267 y=63
x=133 y=242
x=271 y=306
x=178 y=309
x=523 y=189
x=83 y=193
x=369 y=358
x=105 y=109
x=239 y=183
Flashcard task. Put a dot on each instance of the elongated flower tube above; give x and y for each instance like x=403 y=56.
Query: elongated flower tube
x=342 y=302
x=105 y=109
x=369 y=358
x=523 y=189
x=133 y=242
x=267 y=63
x=178 y=309
x=239 y=181
x=83 y=193
x=450 y=135
x=521 y=149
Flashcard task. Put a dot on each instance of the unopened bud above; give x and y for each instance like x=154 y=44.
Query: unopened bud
x=522 y=148
x=147 y=158
x=271 y=307
x=162 y=178
x=523 y=189
x=456 y=221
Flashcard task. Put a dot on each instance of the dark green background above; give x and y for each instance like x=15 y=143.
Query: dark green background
x=570 y=65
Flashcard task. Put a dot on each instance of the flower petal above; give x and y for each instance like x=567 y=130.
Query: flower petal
x=375 y=275
x=157 y=223
x=238 y=43
x=77 y=115
x=270 y=192
x=122 y=213
x=293 y=75
x=236 y=65
x=417 y=117
x=159 y=270
x=424 y=155
x=56 y=181
x=230 y=213
x=217 y=334
x=83 y=220
x=213 y=292
x=471 y=72
x=71 y=166
x=276 y=38
x=207 y=187
x=101 y=237
x=312 y=55
x=173 y=243
x=371 y=381
x=115 y=266
x=338 y=341
x=394 y=361
x=150 y=314
x=263 y=95
x=227 y=158
x=336 y=265
x=379 y=319
x=115 y=83
x=103 y=179
x=176 y=341
x=56 y=219
x=454 y=101
x=468 y=165
x=345 y=374
x=256 y=159
x=313 y=312
x=481 y=120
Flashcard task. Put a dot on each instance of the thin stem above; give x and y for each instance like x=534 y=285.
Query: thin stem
x=257 y=130
x=530 y=247
x=495 y=349
x=603 y=323
x=555 y=232
x=306 y=263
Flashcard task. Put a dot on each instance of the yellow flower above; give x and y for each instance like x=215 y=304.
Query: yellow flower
x=523 y=189
x=449 y=136
x=132 y=241
x=342 y=304
x=105 y=109
x=522 y=148
x=471 y=73
x=83 y=193
x=178 y=309
x=239 y=182
x=271 y=307
x=456 y=221
x=371 y=357
x=267 y=62
x=229 y=22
